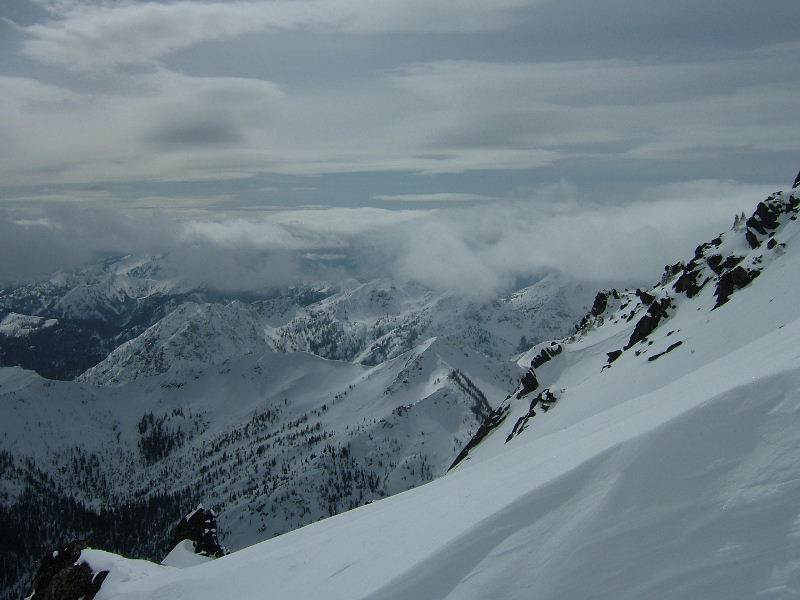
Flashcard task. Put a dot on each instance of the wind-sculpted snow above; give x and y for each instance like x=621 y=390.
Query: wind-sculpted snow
x=659 y=470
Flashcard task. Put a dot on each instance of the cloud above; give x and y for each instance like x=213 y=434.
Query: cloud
x=433 y=118
x=229 y=255
x=91 y=36
x=484 y=249
x=477 y=250
x=439 y=197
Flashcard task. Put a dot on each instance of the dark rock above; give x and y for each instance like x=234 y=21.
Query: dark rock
x=529 y=384
x=796 y=181
x=545 y=399
x=600 y=304
x=752 y=239
x=613 y=355
x=645 y=297
x=655 y=313
x=61 y=577
x=492 y=422
x=668 y=350
x=200 y=527
x=771 y=244
x=733 y=280
x=688 y=282
x=714 y=263
x=766 y=217
x=546 y=355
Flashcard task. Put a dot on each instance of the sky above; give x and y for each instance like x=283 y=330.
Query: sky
x=447 y=137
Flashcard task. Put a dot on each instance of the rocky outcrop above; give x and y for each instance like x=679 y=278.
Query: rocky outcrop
x=528 y=384
x=200 y=528
x=546 y=354
x=492 y=422
x=766 y=217
x=656 y=312
x=62 y=576
x=599 y=307
x=733 y=280
x=545 y=400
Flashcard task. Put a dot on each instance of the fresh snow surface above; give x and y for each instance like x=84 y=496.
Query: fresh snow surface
x=669 y=478
x=183 y=555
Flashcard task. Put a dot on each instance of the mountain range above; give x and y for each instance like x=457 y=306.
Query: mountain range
x=277 y=409
x=650 y=453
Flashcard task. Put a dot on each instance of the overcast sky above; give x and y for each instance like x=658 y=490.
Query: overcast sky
x=213 y=111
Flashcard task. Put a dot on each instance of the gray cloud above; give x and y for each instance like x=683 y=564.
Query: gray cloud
x=476 y=250
x=195 y=132
x=480 y=250
x=365 y=96
x=86 y=35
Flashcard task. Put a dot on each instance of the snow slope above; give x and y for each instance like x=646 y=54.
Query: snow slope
x=675 y=477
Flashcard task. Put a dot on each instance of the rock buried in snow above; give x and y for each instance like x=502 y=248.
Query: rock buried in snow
x=200 y=528
x=62 y=576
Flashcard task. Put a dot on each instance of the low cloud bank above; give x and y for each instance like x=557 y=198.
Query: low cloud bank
x=477 y=250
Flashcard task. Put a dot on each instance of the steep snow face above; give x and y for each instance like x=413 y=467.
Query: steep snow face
x=657 y=469
x=621 y=347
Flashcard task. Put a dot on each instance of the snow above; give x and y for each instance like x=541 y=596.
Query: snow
x=668 y=478
x=670 y=473
x=681 y=493
x=183 y=555
x=17 y=325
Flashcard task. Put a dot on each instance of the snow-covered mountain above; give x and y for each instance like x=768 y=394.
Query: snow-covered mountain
x=278 y=411
x=652 y=454
x=365 y=323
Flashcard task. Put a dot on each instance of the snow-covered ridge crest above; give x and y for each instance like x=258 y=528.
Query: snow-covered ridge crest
x=643 y=325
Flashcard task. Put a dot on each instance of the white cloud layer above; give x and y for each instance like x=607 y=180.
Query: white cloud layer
x=477 y=250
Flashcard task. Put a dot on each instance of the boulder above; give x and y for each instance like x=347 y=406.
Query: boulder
x=199 y=527
x=62 y=576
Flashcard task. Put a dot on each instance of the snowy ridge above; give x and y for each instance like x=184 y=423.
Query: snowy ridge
x=365 y=323
x=192 y=337
x=655 y=472
x=637 y=327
